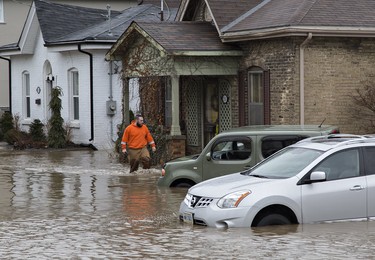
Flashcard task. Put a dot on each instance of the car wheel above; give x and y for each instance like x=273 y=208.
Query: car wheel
x=183 y=185
x=273 y=219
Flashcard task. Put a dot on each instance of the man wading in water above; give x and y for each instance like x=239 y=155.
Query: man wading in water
x=134 y=142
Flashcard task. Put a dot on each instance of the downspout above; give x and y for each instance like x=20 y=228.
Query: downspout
x=111 y=93
x=91 y=91
x=10 y=82
x=302 y=77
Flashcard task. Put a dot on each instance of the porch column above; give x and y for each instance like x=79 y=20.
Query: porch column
x=175 y=127
x=126 y=102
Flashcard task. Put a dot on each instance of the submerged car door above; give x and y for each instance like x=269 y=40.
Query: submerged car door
x=369 y=162
x=342 y=195
x=227 y=155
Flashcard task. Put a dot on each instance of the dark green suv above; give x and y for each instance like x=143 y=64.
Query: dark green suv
x=236 y=150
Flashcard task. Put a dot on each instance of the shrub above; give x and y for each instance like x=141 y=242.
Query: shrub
x=36 y=131
x=56 y=133
x=6 y=124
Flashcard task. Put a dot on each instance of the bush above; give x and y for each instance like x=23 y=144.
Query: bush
x=6 y=124
x=56 y=133
x=36 y=131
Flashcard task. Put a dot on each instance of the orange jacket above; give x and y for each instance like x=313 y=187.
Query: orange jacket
x=135 y=137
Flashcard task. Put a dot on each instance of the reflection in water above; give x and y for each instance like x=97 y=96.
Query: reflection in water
x=83 y=204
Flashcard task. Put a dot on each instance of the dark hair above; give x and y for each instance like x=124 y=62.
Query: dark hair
x=138 y=116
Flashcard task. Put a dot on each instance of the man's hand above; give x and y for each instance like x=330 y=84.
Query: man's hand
x=124 y=151
x=153 y=148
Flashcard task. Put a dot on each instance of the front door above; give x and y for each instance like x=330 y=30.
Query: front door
x=342 y=195
x=211 y=111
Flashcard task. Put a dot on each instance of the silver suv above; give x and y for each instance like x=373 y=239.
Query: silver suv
x=315 y=180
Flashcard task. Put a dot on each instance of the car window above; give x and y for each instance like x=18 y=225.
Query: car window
x=272 y=144
x=238 y=149
x=369 y=160
x=286 y=163
x=340 y=165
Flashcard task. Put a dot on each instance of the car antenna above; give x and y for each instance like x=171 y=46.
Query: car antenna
x=322 y=123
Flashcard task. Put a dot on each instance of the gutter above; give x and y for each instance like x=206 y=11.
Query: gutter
x=302 y=77
x=10 y=82
x=91 y=91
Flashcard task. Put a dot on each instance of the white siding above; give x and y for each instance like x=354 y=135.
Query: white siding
x=61 y=63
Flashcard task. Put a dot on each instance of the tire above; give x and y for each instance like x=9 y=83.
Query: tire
x=183 y=185
x=273 y=219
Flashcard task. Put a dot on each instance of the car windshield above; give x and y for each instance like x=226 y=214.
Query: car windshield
x=285 y=164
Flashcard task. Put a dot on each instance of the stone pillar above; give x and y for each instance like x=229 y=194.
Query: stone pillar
x=176 y=146
x=175 y=127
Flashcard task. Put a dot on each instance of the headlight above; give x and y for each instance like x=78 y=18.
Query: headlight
x=232 y=200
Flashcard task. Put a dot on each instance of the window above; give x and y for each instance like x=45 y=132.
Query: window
x=1 y=11
x=26 y=91
x=258 y=96
x=271 y=144
x=74 y=88
x=168 y=102
x=340 y=165
x=369 y=160
x=236 y=149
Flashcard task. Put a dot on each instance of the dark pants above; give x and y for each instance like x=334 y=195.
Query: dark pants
x=138 y=155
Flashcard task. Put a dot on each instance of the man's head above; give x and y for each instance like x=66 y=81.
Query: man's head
x=139 y=120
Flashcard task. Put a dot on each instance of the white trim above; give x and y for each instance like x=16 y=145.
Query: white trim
x=325 y=31
x=2 y=11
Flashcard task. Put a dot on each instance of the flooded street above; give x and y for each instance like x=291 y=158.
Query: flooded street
x=85 y=205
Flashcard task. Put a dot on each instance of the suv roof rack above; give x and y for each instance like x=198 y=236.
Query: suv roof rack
x=342 y=139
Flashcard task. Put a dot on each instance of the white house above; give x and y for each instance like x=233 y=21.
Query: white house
x=65 y=46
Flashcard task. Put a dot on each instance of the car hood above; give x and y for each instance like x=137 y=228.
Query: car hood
x=218 y=187
x=184 y=158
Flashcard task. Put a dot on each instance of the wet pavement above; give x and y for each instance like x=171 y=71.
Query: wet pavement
x=83 y=204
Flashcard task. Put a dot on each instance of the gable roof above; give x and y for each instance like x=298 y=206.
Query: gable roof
x=177 y=38
x=239 y=20
x=62 y=24
x=102 y=32
x=57 y=20
x=348 y=13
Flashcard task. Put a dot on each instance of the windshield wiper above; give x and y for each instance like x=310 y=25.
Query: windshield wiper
x=259 y=176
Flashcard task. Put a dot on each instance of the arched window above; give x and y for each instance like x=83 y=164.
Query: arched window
x=26 y=94
x=254 y=96
x=73 y=79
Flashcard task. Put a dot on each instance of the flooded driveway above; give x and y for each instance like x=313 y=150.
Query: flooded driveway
x=85 y=205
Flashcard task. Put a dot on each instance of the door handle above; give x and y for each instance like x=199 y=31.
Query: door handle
x=356 y=187
x=246 y=167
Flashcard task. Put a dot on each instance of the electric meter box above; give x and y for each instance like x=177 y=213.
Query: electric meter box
x=111 y=107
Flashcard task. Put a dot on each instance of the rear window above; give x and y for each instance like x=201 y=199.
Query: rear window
x=272 y=144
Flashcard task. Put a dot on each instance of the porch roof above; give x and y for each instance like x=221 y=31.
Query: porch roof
x=178 y=38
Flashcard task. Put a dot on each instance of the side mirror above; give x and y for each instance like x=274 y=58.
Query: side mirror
x=208 y=156
x=318 y=176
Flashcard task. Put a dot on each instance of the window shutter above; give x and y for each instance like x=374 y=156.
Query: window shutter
x=267 y=94
x=242 y=83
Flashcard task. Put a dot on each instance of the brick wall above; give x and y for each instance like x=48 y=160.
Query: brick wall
x=335 y=68
x=280 y=57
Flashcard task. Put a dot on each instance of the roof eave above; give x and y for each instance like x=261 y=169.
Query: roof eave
x=287 y=31
x=205 y=53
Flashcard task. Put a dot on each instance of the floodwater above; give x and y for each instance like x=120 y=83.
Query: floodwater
x=85 y=205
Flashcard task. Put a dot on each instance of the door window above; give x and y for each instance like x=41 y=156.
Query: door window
x=369 y=160
x=340 y=165
x=239 y=149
